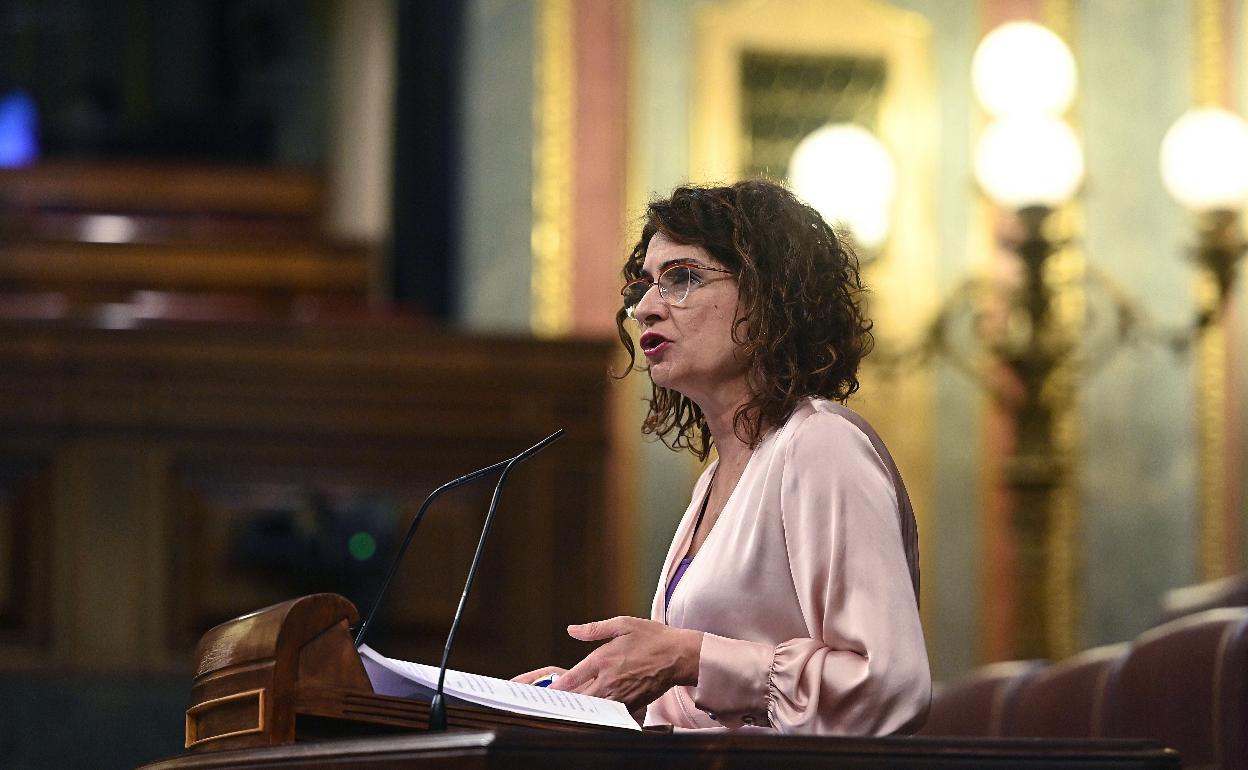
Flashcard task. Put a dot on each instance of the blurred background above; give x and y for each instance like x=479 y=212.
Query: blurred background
x=272 y=271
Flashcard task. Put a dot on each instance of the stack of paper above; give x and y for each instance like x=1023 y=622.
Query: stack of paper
x=403 y=679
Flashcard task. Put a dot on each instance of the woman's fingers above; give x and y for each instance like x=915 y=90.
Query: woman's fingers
x=579 y=676
x=639 y=660
x=529 y=677
x=601 y=629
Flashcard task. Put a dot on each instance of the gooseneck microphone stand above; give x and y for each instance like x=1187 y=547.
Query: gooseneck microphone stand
x=407 y=541
x=437 y=708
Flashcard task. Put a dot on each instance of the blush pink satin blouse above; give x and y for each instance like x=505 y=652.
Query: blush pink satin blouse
x=807 y=589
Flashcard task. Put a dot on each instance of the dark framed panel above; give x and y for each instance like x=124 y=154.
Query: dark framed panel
x=25 y=554
x=785 y=96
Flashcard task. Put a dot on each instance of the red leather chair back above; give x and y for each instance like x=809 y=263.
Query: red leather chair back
x=980 y=703
x=1186 y=683
x=1228 y=592
x=1067 y=699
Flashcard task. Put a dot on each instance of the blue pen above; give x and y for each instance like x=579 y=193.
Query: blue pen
x=546 y=681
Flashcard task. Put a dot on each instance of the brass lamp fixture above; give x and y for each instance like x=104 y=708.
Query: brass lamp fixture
x=1204 y=165
x=1029 y=161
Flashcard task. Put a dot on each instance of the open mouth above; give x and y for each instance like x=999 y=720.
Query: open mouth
x=651 y=342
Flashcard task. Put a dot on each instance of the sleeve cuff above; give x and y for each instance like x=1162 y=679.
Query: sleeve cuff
x=734 y=681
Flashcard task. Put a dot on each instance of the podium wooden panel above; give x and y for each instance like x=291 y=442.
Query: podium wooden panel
x=518 y=748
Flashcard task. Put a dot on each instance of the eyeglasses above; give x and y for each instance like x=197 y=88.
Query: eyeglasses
x=674 y=282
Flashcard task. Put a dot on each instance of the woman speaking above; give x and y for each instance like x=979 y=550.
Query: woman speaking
x=789 y=598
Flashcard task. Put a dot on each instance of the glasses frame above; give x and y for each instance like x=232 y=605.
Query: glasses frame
x=658 y=281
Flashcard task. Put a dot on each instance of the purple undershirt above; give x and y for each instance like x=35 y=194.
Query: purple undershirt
x=685 y=562
x=680 y=572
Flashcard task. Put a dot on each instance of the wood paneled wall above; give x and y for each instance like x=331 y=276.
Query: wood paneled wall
x=157 y=480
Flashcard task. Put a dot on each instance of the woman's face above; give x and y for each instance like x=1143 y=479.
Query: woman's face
x=689 y=346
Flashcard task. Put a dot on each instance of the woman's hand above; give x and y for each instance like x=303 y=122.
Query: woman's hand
x=641 y=660
x=538 y=674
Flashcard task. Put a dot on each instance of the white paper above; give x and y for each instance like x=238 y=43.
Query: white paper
x=499 y=693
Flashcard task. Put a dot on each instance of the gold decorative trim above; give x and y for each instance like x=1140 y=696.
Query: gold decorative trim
x=1211 y=358
x=1067 y=268
x=553 y=122
x=1067 y=272
x=1210 y=45
x=1211 y=402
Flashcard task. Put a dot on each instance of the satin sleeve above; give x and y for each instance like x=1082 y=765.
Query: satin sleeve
x=862 y=667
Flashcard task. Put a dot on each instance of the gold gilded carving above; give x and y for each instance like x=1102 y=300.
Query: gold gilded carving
x=551 y=238
x=1066 y=275
x=1210 y=53
x=1067 y=270
x=1211 y=403
x=1211 y=363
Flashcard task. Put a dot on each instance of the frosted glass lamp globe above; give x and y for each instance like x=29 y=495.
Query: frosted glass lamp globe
x=1032 y=160
x=849 y=177
x=1022 y=67
x=1204 y=160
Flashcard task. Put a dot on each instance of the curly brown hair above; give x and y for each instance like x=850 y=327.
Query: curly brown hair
x=800 y=319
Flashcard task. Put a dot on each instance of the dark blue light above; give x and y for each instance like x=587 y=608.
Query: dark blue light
x=19 y=130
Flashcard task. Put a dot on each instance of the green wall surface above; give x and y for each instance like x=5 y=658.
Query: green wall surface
x=497 y=187
x=1138 y=470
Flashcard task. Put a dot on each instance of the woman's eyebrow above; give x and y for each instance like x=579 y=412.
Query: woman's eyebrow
x=678 y=261
x=681 y=261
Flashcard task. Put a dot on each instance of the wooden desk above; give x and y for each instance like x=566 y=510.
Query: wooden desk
x=544 y=750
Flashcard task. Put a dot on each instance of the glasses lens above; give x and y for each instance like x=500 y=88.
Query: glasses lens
x=674 y=284
x=633 y=293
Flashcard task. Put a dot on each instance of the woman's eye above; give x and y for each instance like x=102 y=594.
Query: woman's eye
x=682 y=276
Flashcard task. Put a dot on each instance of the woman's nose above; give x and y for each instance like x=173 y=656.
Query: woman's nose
x=651 y=306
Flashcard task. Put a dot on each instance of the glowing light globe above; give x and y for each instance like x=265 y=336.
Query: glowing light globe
x=1204 y=160
x=1031 y=160
x=1021 y=67
x=849 y=177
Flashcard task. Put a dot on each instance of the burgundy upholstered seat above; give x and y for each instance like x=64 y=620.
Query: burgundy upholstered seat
x=1066 y=700
x=1186 y=684
x=979 y=703
x=1188 y=600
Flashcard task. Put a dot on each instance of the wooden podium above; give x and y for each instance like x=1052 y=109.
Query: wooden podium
x=284 y=687
x=291 y=672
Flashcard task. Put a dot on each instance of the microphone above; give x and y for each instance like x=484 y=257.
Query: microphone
x=437 y=707
x=419 y=514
